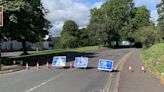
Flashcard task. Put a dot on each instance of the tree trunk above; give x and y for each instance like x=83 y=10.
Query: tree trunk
x=24 y=47
x=117 y=45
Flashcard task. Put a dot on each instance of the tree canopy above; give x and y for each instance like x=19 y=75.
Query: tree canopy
x=73 y=37
x=118 y=20
x=160 y=8
x=24 y=20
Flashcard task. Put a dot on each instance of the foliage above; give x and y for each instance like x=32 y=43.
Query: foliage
x=67 y=40
x=56 y=42
x=118 y=20
x=69 y=33
x=146 y=35
x=24 y=20
x=73 y=37
x=71 y=27
x=160 y=8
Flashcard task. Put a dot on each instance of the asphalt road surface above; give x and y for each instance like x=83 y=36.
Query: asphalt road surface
x=63 y=80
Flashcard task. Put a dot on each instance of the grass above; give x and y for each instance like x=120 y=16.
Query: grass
x=48 y=54
x=153 y=59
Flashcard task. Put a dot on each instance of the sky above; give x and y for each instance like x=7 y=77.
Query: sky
x=79 y=11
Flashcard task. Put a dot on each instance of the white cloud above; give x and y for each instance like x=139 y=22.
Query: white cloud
x=147 y=2
x=62 y=10
x=97 y=4
x=77 y=10
x=151 y=5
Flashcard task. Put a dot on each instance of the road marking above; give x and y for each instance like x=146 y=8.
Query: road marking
x=108 y=83
x=49 y=80
x=122 y=60
x=43 y=83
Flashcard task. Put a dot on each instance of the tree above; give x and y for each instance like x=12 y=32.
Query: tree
x=111 y=18
x=146 y=35
x=69 y=35
x=56 y=42
x=24 y=21
x=139 y=19
x=71 y=27
x=118 y=20
x=160 y=8
x=97 y=24
x=67 y=40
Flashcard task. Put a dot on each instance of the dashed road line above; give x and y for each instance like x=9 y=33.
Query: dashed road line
x=43 y=83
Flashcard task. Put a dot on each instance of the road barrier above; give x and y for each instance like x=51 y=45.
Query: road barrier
x=130 y=69
x=70 y=65
x=59 y=61
x=143 y=69
x=47 y=66
x=81 y=62
x=106 y=65
x=37 y=66
x=27 y=67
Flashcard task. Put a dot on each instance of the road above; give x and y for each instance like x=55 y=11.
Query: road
x=63 y=80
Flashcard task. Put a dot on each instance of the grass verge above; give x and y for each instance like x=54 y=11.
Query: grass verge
x=44 y=56
x=153 y=59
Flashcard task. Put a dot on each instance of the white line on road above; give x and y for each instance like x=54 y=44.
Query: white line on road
x=43 y=83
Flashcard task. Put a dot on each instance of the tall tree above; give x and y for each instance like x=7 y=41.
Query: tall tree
x=24 y=21
x=146 y=35
x=139 y=18
x=160 y=8
x=111 y=18
x=69 y=34
x=71 y=27
x=118 y=20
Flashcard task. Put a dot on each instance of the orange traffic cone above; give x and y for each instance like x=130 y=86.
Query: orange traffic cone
x=143 y=69
x=27 y=67
x=37 y=66
x=130 y=69
x=47 y=65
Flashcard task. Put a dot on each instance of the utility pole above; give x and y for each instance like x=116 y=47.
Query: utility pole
x=1 y=25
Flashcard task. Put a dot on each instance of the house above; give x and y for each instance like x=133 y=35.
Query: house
x=13 y=45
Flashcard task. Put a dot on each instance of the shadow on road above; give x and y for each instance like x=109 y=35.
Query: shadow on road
x=115 y=71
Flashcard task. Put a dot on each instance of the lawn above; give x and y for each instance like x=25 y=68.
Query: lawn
x=46 y=55
x=153 y=59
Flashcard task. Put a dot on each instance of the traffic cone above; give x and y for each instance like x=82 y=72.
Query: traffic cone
x=143 y=69
x=70 y=64
x=130 y=69
x=37 y=66
x=14 y=62
x=47 y=65
x=27 y=67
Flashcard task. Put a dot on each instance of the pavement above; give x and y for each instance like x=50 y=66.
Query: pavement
x=63 y=80
x=10 y=69
x=138 y=81
x=16 y=53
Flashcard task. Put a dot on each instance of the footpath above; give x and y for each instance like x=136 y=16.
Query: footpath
x=10 y=68
x=133 y=79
